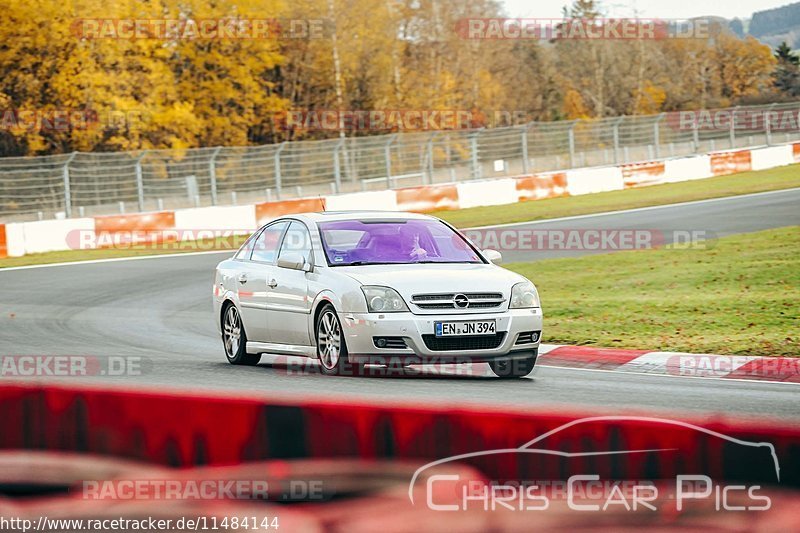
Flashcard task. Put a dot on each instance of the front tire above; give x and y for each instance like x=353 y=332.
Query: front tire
x=513 y=368
x=331 y=347
x=234 y=339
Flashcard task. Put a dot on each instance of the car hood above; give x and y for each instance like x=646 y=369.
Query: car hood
x=433 y=278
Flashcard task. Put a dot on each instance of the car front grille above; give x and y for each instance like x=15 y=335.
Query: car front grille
x=477 y=300
x=527 y=337
x=468 y=342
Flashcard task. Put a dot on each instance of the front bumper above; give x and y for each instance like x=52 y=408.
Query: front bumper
x=360 y=329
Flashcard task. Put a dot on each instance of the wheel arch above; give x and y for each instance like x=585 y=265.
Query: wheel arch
x=319 y=305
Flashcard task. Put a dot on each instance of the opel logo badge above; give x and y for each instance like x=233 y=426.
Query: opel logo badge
x=461 y=301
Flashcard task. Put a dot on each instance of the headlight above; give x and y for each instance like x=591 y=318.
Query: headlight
x=383 y=300
x=523 y=296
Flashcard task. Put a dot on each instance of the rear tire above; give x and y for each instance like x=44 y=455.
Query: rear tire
x=234 y=339
x=513 y=368
x=331 y=347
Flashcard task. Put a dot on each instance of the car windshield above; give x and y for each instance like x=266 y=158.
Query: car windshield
x=371 y=242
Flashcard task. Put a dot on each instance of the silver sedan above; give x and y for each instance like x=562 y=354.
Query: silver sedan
x=357 y=288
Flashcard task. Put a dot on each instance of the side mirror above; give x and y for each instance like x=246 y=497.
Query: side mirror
x=493 y=255
x=294 y=261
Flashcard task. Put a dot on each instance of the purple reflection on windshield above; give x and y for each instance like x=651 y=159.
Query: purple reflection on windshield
x=348 y=242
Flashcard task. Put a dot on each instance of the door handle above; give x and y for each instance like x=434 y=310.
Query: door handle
x=242 y=278
x=272 y=283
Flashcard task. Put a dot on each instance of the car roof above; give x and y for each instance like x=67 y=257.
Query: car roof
x=326 y=216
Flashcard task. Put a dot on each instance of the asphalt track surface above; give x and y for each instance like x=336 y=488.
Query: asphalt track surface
x=714 y=218
x=159 y=310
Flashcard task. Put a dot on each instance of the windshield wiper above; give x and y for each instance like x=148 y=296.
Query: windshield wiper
x=360 y=263
x=442 y=262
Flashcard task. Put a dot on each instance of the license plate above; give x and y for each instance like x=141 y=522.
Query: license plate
x=473 y=327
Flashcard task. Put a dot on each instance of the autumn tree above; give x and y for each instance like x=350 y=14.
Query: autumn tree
x=745 y=66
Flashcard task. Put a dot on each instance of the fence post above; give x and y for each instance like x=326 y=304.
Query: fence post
x=768 y=125
x=212 y=174
x=657 y=134
x=140 y=181
x=337 y=167
x=67 y=190
x=571 y=140
x=476 y=169
x=428 y=177
x=387 y=153
x=695 y=135
x=278 y=181
x=616 y=138
x=732 y=130
x=524 y=141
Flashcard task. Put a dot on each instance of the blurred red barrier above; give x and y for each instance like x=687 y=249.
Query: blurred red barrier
x=266 y=211
x=24 y=473
x=376 y=497
x=333 y=495
x=183 y=430
x=296 y=480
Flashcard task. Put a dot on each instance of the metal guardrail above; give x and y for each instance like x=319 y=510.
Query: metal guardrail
x=85 y=184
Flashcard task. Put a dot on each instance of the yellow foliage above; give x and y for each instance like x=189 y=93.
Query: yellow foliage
x=650 y=99
x=574 y=108
x=145 y=93
x=745 y=65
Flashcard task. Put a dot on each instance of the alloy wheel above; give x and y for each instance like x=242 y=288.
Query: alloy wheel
x=231 y=332
x=329 y=339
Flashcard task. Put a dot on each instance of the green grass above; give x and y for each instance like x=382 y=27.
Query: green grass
x=743 y=183
x=740 y=297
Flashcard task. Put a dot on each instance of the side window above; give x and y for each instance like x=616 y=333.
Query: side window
x=297 y=240
x=245 y=251
x=266 y=245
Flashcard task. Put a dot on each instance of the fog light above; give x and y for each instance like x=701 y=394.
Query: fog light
x=380 y=343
